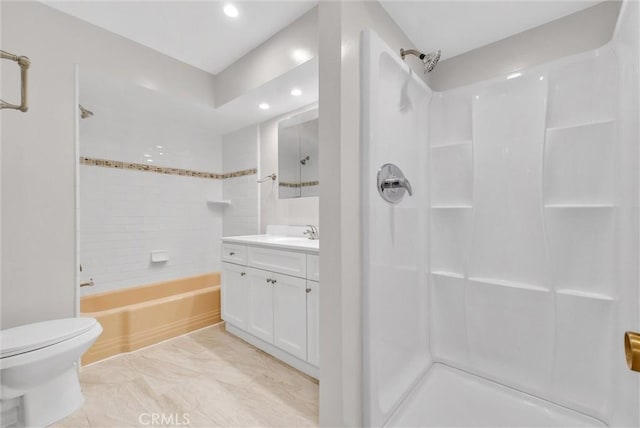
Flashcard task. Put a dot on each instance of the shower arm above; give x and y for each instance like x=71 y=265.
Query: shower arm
x=271 y=177
x=405 y=52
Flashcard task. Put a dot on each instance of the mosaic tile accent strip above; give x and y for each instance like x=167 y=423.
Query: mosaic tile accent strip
x=303 y=184
x=106 y=163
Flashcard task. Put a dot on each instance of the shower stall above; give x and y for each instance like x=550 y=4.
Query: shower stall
x=500 y=246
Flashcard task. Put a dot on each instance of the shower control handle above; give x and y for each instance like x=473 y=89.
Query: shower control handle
x=232 y=254
x=242 y=273
x=392 y=184
x=397 y=183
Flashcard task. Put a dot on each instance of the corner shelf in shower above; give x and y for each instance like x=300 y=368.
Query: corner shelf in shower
x=450 y=144
x=579 y=206
x=218 y=202
x=580 y=125
x=584 y=294
x=451 y=207
x=447 y=274
x=508 y=283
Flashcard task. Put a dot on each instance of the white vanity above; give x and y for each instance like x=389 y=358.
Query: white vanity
x=270 y=295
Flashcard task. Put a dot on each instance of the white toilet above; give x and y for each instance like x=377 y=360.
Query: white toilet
x=38 y=370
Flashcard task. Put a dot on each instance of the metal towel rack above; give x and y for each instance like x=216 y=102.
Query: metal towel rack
x=24 y=64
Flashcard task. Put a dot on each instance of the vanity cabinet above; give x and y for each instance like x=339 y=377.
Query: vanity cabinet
x=260 y=316
x=235 y=298
x=313 y=322
x=270 y=300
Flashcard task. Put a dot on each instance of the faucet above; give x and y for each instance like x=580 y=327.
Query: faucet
x=312 y=232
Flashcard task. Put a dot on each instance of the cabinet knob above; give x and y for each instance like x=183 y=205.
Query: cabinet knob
x=268 y=280
x=242 y=274
x=232 y=253
x=273 y=281
x=308 y=290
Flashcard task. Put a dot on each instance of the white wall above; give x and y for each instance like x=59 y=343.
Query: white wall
x=578 y=32
x=273 y=210
x=38 y=149
x=340 y=314
x=240 y=152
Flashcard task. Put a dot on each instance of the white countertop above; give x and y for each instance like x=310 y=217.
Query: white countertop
x=277 y=241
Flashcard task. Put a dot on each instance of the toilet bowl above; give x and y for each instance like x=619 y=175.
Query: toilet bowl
x=39 y=382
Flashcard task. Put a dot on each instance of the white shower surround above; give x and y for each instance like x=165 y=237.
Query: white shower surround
x=530 y=278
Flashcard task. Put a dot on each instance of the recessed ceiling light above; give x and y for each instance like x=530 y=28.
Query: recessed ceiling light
x=159 y=147
x=231 y=11
x=149 y=160
x=264 y=106
x=146 y=155
x=296 y=92
x=160 y=153
x=514 y=75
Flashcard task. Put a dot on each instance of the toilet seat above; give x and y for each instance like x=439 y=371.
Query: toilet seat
x=26 y=338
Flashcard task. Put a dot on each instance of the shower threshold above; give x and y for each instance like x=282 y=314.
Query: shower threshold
x=447 y=397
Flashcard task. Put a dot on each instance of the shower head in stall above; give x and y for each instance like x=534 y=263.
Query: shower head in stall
x=430 y=59
x=304 y=160
x=84 y=113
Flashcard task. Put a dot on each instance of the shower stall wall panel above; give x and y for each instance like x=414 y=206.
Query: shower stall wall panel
x=394 y=130
x=531 y=184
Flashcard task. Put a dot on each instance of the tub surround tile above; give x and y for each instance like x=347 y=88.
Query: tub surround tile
x=214 y=377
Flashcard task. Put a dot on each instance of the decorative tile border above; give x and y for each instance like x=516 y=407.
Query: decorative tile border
x=303 y=184
x=106 y=163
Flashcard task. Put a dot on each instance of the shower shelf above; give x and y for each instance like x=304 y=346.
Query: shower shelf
x=572 y=206
x=580 y=125
x=220 y=202
x=509 y=283
x=451 y=144
x=447 y=274
x=451 y=207
x=585 y=294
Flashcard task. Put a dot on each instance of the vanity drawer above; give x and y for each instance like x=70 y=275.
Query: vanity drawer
x=313 y=267
x=286 y=262
x=234 y=254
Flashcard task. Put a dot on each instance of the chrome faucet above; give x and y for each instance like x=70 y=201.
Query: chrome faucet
x=312 y=232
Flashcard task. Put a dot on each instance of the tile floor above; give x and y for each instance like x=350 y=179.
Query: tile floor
x=214 y=378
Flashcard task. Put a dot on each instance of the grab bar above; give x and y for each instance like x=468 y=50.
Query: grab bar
x=24 y=64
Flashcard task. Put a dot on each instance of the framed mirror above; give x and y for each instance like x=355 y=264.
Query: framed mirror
x=298 y=156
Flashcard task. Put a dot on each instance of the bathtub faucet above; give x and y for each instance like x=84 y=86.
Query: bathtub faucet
x=87 y=284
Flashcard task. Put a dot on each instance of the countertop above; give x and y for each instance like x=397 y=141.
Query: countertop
x=278 y=242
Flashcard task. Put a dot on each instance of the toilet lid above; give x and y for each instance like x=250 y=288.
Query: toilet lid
x=29 y=337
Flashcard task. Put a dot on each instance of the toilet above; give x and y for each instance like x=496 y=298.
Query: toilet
x=39 y=370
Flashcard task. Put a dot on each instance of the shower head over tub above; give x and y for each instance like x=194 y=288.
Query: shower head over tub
x=430 y=59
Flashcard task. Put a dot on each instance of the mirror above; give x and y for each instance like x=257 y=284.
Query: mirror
x=298 y=156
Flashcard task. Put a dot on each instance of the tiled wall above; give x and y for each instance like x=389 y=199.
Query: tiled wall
x=240 y=152
x=126 y=214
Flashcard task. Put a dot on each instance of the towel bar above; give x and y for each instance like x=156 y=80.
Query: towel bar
x=24 y=64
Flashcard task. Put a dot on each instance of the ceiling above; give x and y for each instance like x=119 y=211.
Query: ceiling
x=456 y=27
x=106 y=96
x=195 y=32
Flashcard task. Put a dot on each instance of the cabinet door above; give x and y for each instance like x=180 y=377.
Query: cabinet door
x=235 y=297
x=313 y=323
x=290 y=315
x=261 y=304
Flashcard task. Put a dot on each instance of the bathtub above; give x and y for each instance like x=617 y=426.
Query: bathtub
x=141 y=316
